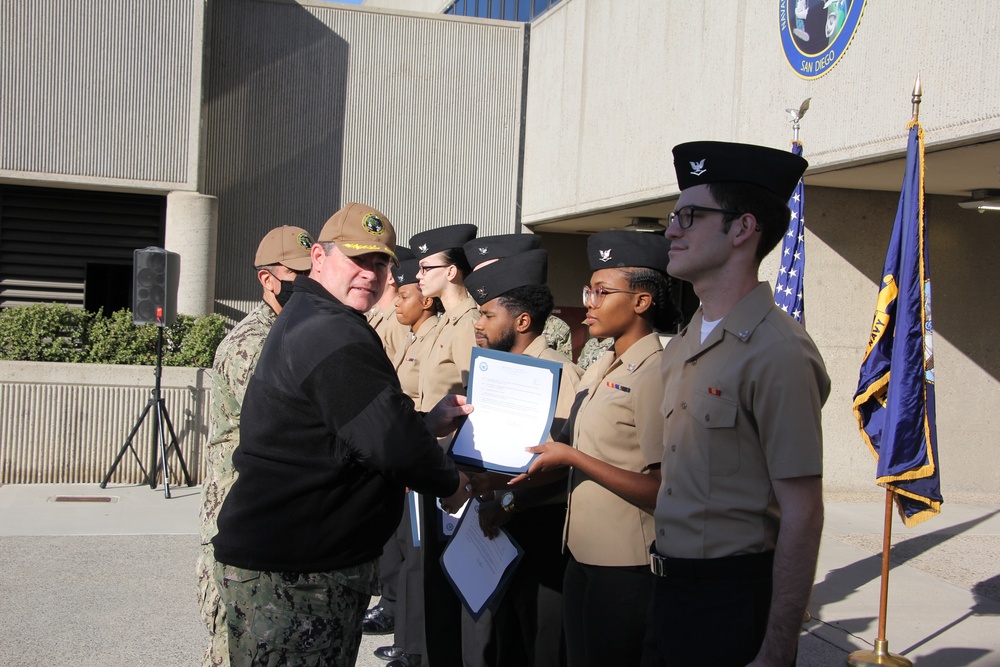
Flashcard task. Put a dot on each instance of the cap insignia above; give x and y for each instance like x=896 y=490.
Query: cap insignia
x=482 y=292
x=605 y=255
x=373 y=224
x=304 y=241
x=484 y=251
x=698 y=168
x=422 y=249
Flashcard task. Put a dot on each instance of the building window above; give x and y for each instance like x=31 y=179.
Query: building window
x=73 y=246
x=524 y=11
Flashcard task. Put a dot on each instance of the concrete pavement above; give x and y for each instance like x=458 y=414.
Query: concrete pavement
x=105 y=577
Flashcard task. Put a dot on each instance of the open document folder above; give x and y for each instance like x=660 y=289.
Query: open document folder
x=477 y=567
x=515 y=400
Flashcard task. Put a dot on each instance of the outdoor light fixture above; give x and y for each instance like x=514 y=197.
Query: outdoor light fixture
x=983 y=200
x=653 y=226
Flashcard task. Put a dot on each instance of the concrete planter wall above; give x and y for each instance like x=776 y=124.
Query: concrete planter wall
x=67 y=422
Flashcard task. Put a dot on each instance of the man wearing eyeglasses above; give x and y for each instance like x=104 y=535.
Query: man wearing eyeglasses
x=283 y=253
x=739 y=511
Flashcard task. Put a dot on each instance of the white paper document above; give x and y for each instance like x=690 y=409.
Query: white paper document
x=478 y=567
x=514 y=398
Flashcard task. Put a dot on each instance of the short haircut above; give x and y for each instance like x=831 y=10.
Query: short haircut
x=536 y=300
x=771 y=213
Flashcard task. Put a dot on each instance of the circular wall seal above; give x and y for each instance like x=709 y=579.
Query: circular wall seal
x=815 y=34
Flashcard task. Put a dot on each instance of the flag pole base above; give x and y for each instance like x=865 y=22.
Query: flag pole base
x=880 y=656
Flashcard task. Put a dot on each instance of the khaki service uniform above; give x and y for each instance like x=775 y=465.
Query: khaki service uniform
x=393 y=335
x=741 y=409
x=446 y=366
x=570 y=379
x=618 y=422
x=607 y=583
x=407 y=359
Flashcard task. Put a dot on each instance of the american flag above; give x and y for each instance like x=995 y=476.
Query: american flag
x=789 y=287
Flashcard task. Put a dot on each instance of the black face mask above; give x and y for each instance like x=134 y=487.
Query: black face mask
x=285 y=294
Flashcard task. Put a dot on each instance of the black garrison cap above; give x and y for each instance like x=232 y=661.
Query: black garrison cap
x=485 y=248
x=496 y=279
x=619 y=248
x=433 y=241
x=701 y=162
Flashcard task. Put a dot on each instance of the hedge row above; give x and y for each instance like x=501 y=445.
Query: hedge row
x=55 y=332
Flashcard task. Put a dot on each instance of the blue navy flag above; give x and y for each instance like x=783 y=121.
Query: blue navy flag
x=788 y=288
x=894 y=404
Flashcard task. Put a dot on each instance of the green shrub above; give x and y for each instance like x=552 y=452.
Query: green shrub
x=55 y=332
x=197 y=346
x=115 y=340
x=44 y=332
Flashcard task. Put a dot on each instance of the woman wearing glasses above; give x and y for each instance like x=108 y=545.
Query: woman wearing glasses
x=444 y=369
x=616 y=437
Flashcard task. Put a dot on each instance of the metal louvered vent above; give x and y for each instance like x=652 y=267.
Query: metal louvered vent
x=73 y=246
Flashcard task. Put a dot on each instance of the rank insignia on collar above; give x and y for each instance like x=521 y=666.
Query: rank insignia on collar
x=631 y=367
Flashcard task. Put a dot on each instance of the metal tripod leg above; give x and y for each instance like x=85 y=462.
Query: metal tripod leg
x=128 y=445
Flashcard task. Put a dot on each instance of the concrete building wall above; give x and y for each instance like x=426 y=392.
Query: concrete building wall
x=846 y=239
x=313 y=105
x=614 y=86
x=101 y=94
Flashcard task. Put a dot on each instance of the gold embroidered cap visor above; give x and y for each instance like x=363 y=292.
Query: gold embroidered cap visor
x=358 y=229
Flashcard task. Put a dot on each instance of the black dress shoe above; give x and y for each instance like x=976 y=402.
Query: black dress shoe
x=377 y=622
x=389 y=652
x=406 y=660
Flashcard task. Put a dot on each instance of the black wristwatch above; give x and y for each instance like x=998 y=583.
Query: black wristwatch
x=507 y=502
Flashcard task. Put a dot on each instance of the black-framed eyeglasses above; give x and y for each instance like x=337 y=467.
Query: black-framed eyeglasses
x=592 y=298
x=425 y=269
x=684 y=216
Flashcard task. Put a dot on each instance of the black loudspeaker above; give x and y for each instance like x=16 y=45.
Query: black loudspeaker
x=155 y=275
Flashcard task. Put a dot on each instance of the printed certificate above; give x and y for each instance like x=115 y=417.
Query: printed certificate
x=515 y=400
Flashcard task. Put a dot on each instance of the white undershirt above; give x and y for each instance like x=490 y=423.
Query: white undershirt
x=707 y=327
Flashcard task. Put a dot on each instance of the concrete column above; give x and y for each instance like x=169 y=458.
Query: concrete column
x=191 y=232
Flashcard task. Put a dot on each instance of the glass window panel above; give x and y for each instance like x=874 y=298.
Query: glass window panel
x=510 y=10
x=524 y=10
x=496 y=9
x=484 y=9
x=540 y=6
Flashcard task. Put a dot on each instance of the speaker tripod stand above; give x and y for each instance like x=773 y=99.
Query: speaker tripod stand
x=160 y=449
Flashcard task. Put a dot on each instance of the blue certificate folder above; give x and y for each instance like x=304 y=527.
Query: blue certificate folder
x=479 y=573
x=486 y=364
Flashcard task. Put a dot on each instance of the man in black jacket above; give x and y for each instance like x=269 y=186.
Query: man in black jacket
x=328 y=443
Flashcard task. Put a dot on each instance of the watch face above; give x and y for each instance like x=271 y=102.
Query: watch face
x=508 y=500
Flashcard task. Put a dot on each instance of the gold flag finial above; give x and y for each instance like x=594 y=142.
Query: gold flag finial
x=918 y=92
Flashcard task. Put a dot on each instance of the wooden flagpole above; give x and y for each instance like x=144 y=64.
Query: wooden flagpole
x=881 y=655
